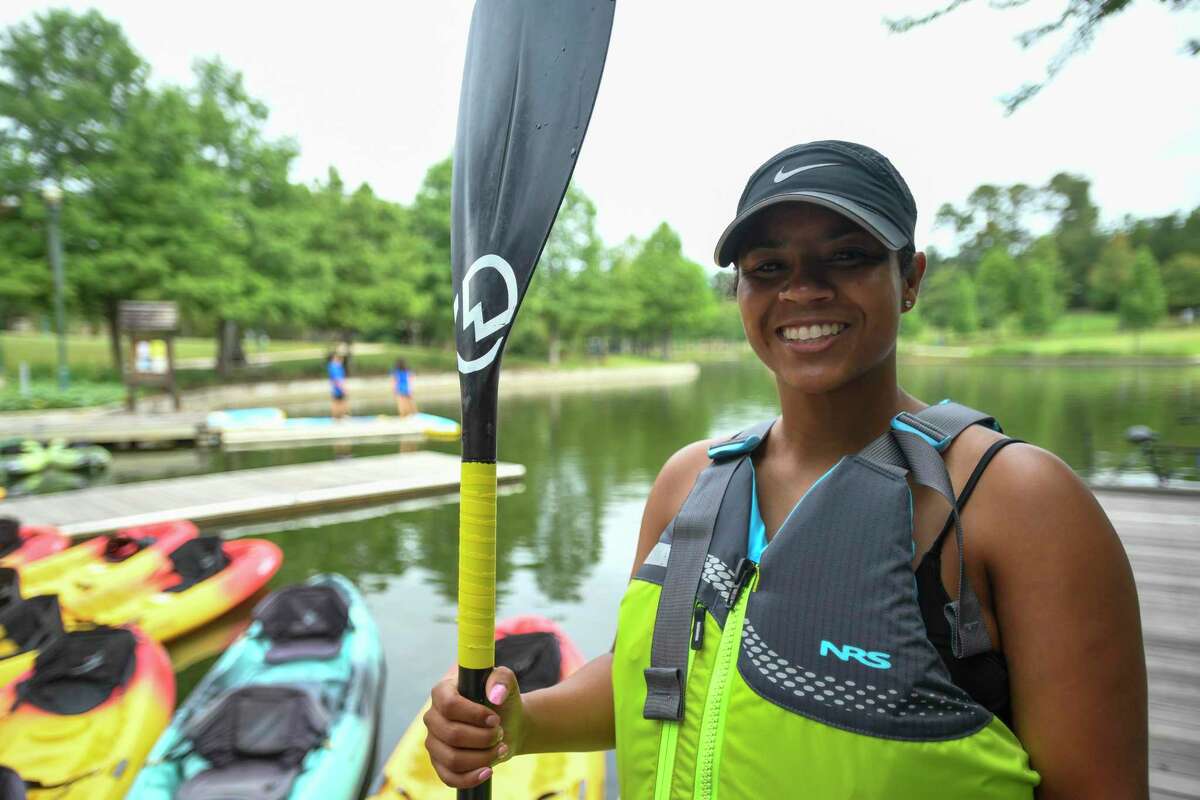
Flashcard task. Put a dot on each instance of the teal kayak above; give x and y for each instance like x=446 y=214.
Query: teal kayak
x=291 y=710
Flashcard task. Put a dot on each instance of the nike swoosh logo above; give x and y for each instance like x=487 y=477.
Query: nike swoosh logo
x=783 y=176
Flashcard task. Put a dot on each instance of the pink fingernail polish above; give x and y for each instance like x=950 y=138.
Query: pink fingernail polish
x=498 y=693
x=502 y=750
x=485 y=774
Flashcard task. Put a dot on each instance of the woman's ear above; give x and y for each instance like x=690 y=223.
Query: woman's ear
x=912 y=281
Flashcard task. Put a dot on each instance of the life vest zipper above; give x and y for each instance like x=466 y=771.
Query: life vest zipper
x=712 y=724
x=669 y=736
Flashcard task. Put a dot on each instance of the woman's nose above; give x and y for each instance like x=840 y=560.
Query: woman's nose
x=806 y=285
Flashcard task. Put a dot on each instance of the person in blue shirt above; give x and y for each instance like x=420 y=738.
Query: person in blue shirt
x=402 y=387
x=337 y=385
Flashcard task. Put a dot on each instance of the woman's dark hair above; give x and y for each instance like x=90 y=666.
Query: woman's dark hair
x=905 y=256
x=401 y=364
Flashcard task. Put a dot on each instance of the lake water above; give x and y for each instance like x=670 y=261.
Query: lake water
x=566 y=538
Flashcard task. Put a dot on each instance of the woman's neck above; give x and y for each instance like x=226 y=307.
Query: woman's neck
x=824 y=427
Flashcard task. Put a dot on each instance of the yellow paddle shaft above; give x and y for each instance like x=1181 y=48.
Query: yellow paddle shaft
x=477 y=566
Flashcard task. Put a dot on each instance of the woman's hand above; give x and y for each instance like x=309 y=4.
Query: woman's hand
x=466 y=739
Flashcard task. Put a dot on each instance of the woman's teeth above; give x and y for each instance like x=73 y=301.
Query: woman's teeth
x=804 y=333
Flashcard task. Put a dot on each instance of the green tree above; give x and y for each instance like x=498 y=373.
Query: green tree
x=949 y=299
x=372 y=256
x=1167 y=236
x=1111 y=273
x=66 y=84
x=672 y=292
x=992 y=217
x=1181 y=280
x=555 y=294
x=1143 y=300
x=1038 y=301
x=430 y=220
x=1076 y=233
x=997 y=283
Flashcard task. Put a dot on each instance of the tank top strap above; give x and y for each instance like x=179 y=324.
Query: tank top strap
x=935 y=549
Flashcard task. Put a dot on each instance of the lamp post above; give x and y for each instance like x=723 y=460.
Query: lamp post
x=53 y=195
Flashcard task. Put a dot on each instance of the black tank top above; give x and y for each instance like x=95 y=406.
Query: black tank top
x=983 y=676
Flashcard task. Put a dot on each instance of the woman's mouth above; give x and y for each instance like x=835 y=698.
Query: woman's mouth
x=811 y=337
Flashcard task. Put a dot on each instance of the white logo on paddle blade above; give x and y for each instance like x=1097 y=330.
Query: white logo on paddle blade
x=783 y=176
x=473 y=315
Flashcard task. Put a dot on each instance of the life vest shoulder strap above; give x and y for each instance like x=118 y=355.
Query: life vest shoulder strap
x=691 y=536
x=913 y=445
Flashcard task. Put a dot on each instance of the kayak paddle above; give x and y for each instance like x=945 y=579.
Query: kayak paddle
x=532 y=72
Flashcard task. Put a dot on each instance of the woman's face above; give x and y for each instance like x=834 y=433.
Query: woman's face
x=820 y=297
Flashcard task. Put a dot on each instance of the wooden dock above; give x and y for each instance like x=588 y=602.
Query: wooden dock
x=228 y=497
x=157 y=431
x=112 y=429
x=1161 y=534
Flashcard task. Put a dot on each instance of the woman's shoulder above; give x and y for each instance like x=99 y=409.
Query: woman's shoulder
x=679 y=472
x=1025 y=495
x=670 y=489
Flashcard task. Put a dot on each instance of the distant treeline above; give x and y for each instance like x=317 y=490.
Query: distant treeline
x=176 y=193
x=1143 y=269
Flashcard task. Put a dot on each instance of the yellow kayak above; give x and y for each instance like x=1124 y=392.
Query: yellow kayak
x=541 y=655
x=80 y=724
x=97 y=565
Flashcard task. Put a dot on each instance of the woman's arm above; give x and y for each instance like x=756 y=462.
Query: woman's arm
x=1067 y=610
x=464 y=738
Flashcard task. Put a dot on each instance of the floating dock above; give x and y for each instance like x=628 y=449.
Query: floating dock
x=244 y=495
x=157 y=431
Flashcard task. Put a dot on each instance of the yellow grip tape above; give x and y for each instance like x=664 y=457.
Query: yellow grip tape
x=477 y=566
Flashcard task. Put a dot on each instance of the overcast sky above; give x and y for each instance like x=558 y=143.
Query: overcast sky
x=697 y=94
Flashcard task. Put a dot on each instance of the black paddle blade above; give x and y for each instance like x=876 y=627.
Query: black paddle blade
x=532 y=73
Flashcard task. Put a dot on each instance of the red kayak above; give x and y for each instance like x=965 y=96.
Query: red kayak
x=20 y=544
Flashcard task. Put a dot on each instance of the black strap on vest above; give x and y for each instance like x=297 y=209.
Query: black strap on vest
x=693 y=531
x=913 y=445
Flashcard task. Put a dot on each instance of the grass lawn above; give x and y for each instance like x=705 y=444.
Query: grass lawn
x=89 y=355
x=1080 y=334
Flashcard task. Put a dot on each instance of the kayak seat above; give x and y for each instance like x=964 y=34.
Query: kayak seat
x=28 y=624
x=261 y=780
x=11 y=785
x=10 y=535
x=10 y=587
x=120 y=547
x=256 y=738
x=79 y=671
x=197 y=559
x=304 y=622
x=535 y=658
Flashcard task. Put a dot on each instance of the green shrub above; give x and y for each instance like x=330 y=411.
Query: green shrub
x=44 y=395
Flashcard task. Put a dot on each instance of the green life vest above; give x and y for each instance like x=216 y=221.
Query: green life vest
x=808 y=675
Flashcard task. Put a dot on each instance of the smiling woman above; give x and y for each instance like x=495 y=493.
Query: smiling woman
x=773 y=583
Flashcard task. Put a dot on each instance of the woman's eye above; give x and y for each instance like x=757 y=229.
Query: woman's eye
x=764 y=268
x=852 y=255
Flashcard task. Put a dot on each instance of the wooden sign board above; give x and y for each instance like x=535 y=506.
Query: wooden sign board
x=151 y=327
